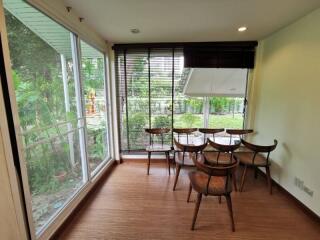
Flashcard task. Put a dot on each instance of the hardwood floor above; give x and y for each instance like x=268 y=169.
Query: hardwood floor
x=133 y=205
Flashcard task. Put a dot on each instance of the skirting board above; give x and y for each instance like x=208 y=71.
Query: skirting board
x=307 y=210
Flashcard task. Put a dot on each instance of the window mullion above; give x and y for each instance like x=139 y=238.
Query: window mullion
x=206 y=112
x=172 y=100
x=80 y=110
x=107 y=97
x=149 y=92
x=126 y=96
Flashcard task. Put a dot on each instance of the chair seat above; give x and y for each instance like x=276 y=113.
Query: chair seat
x=211 y=157
x=158 y=148
x=242 y=149
x=246 y=158
x=216 y=187
x=210 y=149
x=187 y=158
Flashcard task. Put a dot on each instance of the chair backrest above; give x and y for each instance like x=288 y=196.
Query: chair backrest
x=156 y=131
x=185 y=148
x=224 y=149
x=260 y=149
x=218 y=170
x=189 y=148
x=209 y=131
x=238 y=132
x=186 y=131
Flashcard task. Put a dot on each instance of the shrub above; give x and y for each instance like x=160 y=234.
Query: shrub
x=189 y=119
x=162 y=122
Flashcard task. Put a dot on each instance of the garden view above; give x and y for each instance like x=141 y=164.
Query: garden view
x=53 y=130
x=224 y=112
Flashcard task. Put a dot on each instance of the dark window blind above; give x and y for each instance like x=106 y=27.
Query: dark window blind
x=223 y=57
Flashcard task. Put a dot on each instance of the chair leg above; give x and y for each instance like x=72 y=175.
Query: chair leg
x=229 y=203
x=243 y=177
x=148 y=166
x=174 y=162
x=219 y=199
x=256 y=172
x=234 y=180
x=269 y=179
x=196 y=210
x=189 y=193
x=178 y=167
x=168 y=161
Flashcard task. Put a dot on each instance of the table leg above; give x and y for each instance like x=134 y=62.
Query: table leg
x=148 y=166
x=168 y=161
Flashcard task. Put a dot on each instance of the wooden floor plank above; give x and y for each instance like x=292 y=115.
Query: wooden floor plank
x=132 y=205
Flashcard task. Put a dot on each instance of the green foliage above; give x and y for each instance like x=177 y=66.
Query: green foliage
x=190 y=119
x=196 y=104
x=39 y=93
x=218 y=103
x=225 y=105
x=137 y=123
x=162 y=122
x=97 y=144
x=92 y=72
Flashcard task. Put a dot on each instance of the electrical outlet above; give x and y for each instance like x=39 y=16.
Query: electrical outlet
x=300 y=184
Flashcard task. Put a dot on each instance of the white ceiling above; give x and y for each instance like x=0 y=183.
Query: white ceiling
x=189 y=20
x=219 y=82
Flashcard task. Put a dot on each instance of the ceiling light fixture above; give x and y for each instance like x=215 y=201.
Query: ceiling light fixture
x=134 y=30
x=242 y=29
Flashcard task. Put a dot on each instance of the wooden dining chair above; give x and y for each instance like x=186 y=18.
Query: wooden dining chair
x=238 y=132
x=184 y=156
x=184 y=131
x=213 y=180
x=156 y=147
x=223 y=154
x=255 y=159
x=210 y=132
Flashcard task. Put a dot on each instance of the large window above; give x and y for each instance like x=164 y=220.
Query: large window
x=63 y=131
x=155 y=90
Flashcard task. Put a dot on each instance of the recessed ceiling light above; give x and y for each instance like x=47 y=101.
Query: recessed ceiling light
x=242 y=29
x=134 y=30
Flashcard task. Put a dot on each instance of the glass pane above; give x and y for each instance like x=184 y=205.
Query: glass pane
x=226 y=112
x=161 y=91
x=42 y=65
x=138 y=100
x=188 y=111
x=93 y=78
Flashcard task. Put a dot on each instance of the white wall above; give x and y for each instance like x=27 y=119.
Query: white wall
x=286 y=97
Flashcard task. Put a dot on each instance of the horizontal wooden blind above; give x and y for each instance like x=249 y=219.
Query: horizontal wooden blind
x=145 y=88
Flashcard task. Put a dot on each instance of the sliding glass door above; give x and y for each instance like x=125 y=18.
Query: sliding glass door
x=62 y=126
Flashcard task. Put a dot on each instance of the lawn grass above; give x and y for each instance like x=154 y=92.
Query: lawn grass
x=215 y=121
x=226 y=121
